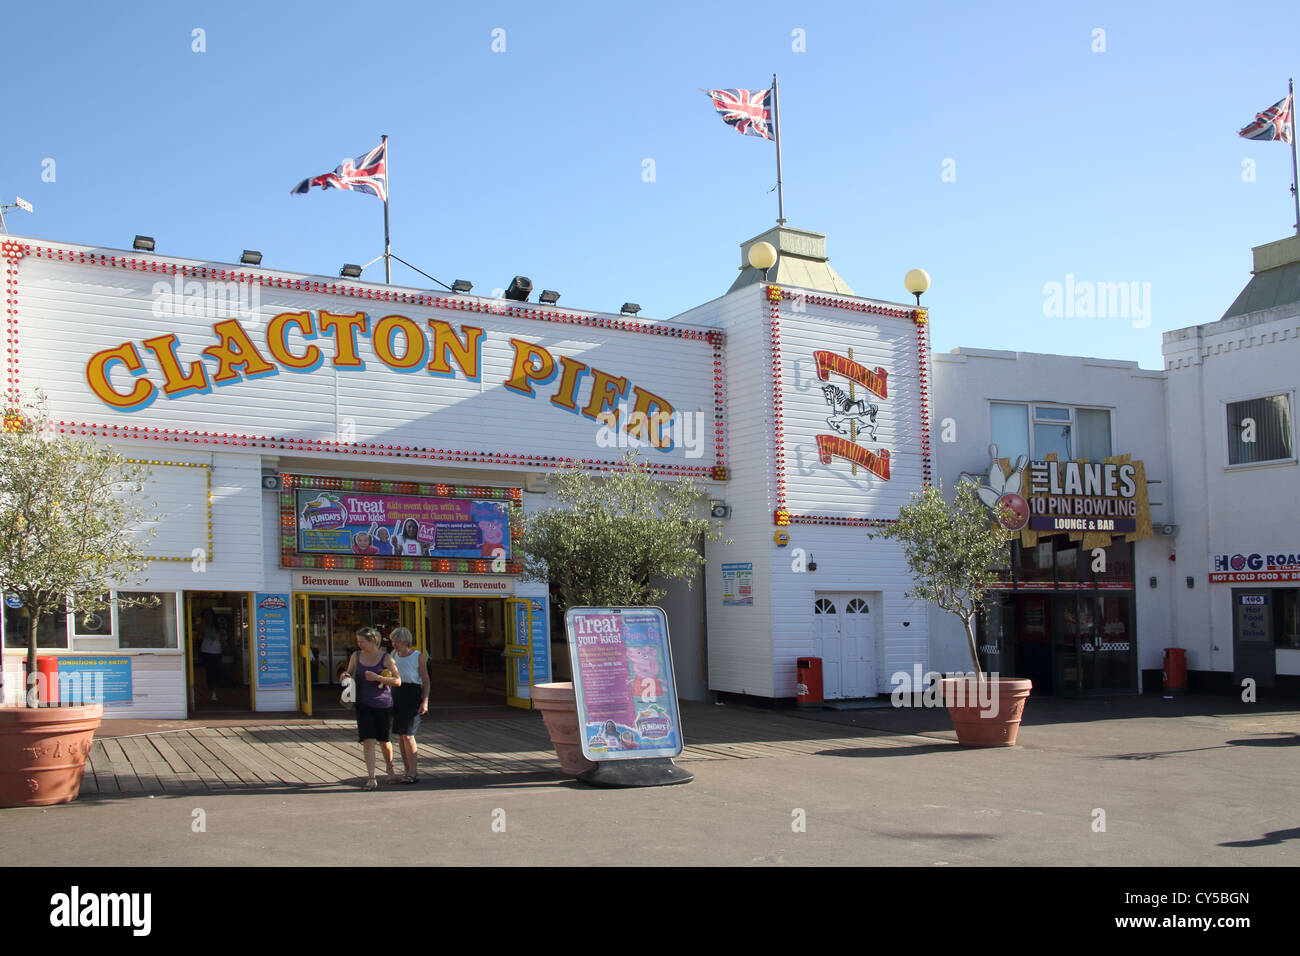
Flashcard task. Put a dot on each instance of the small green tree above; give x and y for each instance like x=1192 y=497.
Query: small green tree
x=951 y=550
x=70 y=515
x=612 y=536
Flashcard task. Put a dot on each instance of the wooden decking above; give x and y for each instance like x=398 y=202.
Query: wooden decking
x=313 y=754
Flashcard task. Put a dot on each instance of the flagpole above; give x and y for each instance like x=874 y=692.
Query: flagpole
x=388 y=265
x=776 y=121
x=1295 y=180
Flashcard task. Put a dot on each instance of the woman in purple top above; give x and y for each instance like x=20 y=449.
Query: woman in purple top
x=375 y=673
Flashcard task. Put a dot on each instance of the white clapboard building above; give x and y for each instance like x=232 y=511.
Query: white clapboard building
x=286 y=418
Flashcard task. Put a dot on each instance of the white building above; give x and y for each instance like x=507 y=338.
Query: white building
x=1232 y=444
x=277 y=409
x=281 y=413
x=1079 y=612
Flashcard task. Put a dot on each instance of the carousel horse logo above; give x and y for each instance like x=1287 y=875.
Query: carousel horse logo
x=845 y=409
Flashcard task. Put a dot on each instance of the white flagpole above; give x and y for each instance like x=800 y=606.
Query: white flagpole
x=1295 y=180
x=388 y=249
x=776 y=122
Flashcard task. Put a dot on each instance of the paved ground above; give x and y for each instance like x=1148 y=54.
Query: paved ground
x=1196 y=781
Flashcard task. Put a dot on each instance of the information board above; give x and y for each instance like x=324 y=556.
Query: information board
x=274 y=641
x=623 y=682
x=536 y=667
x=738 y=584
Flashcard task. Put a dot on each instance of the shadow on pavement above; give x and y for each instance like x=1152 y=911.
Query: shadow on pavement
x=1283 y=740
x=1268 y=839
x=907 y=751
x=1046 y=711
x=1270 y=740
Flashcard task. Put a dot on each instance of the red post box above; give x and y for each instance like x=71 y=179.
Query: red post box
x=808 y=680
x=1175 y=670
x=48 y=669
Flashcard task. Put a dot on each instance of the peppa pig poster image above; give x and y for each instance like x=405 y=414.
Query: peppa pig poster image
x=623 y=681
x=345 y=522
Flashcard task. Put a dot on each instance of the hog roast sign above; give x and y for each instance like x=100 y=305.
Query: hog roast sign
x=623 y=682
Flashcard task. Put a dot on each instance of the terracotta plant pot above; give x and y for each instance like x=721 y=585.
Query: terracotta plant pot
x=559 y=709
x=43 y=753
x=986 y=713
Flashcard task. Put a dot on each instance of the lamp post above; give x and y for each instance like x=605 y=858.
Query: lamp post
x=762 y=255
x=917 y=281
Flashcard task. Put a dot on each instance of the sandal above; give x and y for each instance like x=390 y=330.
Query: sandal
x=371 y=784
x=392 y=774
x=408 y=779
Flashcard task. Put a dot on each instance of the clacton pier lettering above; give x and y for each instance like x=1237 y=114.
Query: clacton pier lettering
x=130 y=376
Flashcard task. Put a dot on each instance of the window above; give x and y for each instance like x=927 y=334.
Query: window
x=141 y=625
x=1092 y=434
x=52 y=632
x=1060 y=430
x=1286 y=624
x=1009 y=427
x=94 y=623
x=1260 y=430
x=128 y=627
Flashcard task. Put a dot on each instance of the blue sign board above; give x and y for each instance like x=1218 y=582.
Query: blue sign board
x=91 y=680
x=273 y=641
x=540 y=614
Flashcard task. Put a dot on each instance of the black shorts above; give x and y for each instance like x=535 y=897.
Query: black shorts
x=374 y=723
x=406 y=709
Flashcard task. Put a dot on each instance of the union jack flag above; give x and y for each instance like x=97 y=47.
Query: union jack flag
x=750 y=112
x=1276 y=122
x=369 y=175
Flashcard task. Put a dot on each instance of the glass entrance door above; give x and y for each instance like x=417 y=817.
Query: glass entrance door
x=1033 y=623
x=1111 y=666
x=219 y=641
x=1072 y=637
x=412 y=614
x=995 y=635
x=333 y=623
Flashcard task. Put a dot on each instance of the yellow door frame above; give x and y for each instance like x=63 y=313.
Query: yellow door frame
x=189 y=654
x=515 y=652
x=302 y=651
x=250 y=622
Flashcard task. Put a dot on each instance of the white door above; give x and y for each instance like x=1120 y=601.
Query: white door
x=826 y=630
x=858 y=659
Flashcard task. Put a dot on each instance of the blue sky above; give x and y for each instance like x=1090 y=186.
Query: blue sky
x=1114 y=166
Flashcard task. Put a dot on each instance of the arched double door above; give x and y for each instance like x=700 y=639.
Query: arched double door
x=846 y=633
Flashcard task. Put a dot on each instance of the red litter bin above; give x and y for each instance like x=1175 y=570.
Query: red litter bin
x=1175 y=670
x=808 y=680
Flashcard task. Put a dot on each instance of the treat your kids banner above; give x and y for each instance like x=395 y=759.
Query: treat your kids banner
x=623 y=682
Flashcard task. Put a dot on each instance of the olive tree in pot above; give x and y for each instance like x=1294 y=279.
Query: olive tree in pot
x=70 y=519
x=612 y=540
x=951 y=550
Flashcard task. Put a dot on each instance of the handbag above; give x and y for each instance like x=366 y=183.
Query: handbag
x=348 y=699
